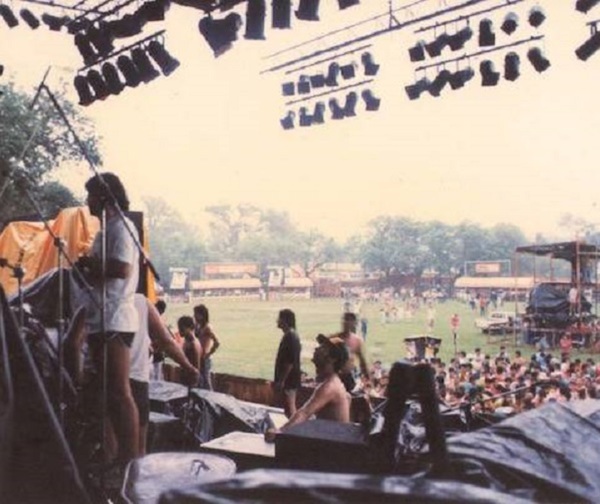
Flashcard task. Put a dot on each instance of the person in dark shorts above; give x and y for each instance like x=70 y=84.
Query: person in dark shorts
x=287 y=363
x=121 y=321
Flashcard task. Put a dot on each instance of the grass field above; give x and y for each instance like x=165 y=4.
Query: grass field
x=249 y=335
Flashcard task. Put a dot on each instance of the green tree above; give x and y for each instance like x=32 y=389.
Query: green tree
x=173 y=241
x=50 y=146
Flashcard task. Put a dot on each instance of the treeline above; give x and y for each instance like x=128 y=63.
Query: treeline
x=392 y=245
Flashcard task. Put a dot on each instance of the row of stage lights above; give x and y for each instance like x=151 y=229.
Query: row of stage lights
x=489 y=75
x=136 y=68
x=338 y=112
x=486 y=35
x=306 y=83
x=54 y=23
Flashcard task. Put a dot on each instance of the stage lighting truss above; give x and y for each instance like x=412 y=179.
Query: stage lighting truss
x=341 y=106
x=592 y=44
x=130 y=66
x=455 y=34
x=464 y=72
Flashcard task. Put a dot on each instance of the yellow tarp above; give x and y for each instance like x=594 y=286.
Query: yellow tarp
x=31 y=245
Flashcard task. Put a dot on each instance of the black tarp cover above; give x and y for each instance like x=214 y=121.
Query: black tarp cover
x=554 y=450
x=277 y=486
x=545 y=299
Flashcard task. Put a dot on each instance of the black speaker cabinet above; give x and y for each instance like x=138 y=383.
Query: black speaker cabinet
x=323 y=445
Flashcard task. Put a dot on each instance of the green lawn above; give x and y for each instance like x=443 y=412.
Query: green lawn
x=249 y=336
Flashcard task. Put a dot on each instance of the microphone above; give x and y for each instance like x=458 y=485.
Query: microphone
x=39 y=89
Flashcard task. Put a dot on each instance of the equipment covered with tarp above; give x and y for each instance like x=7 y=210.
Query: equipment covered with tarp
x=36 y=463
x=277 y=486
x=213 y=415
x=549 y=305
x=549 y=454
x=31 y=245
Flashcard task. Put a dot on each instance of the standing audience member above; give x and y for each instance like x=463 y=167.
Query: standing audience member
x=191 y=346
x=209 y=343
x=356 y=350
x=120 y=279
x=287 y=363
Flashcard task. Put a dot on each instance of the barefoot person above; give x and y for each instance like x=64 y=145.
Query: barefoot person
x=287 y=363
x=121 y=317
x=330 y=400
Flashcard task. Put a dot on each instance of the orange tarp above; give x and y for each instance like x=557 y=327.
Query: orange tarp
x=31 y=245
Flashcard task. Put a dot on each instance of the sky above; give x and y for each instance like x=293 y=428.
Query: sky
x=521 y=152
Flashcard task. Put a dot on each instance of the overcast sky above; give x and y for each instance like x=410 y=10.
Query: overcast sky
x=522 y=152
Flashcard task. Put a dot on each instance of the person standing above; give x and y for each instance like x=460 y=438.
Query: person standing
x=356 y=350
x=191 y=347
x=454 y=326
x=158 y=356
x=106 y=194
x=287 y=363
x=209 y=343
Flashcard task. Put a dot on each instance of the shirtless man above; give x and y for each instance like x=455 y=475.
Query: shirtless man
x=355 y=345
x=329 y=401
x=209 y=343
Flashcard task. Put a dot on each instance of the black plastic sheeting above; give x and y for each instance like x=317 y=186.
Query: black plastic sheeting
x=549 y=300
x=214 y=414
x=276 y=487
x=552 y=452
x=37 y=464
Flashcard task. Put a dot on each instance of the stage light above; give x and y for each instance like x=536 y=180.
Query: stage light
x=538 y=60
x=489 y=77
x=55 y=23
x=414 y=91
x=458 y=79
x=434 y=49
x=536 y=17
x=487 y=37
x=348 y=71
x=337 y=112
x=303 y=85
x=589 y=47
x=308 y=10
x=129 y=71
x=9 y=17
x=145 y=68
x=98 y=84
x=512 y=61
x=224 y=5
x=350 y=104
x=460 y=38
x=371 y=68
x=288 y=89
x=281 y=16
x=30 y=19
x=371 y=101
x=85 y=48
x=287 y=122
x=305 y=117
x=438 y=84
x=127 y=26
x=111 y=77
x=417 y=52
x=73 y=27
x=344 y=4
x=84 y=91
x=585 y=5
x=101 y=39
x=317 y=81
x=220 y=33
x=167 y=63
x=318 y=116
x=510 y=23
x=256 y=10
x=332 y=74
x=153 y=10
